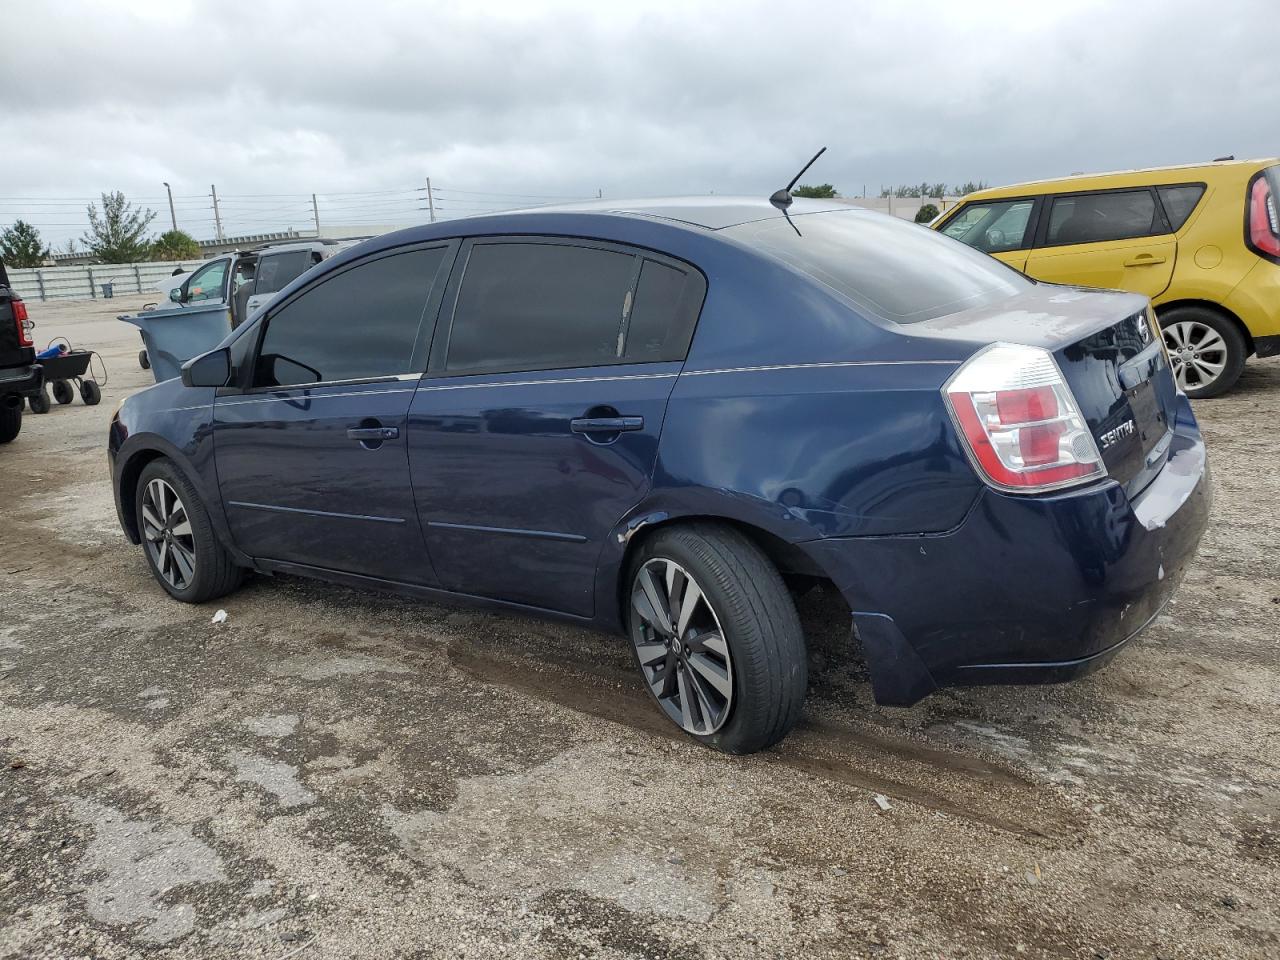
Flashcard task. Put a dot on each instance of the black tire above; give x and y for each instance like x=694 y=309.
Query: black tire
x=215 y=573
x=62 y=392
x=1177 y=325
x=143 y=360
x=39 y=401
x=755 y=613
x=90 y=393
x=10 y=421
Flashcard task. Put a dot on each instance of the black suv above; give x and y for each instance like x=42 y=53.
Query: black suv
x=20 y=375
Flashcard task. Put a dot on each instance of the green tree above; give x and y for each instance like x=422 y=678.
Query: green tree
x=20 y=245
x=926 y=213
x=175 y=245
x=970 y=187
x=823 y=191
x=118 y=233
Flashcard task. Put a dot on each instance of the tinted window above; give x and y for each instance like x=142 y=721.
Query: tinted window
x=277 y=271
x=1179 y=202
x=893 y=269
x=207 y=282
x=992 y=227
x=531 y=306
x=361 y=323
x=660 y=324
x=1094 y=217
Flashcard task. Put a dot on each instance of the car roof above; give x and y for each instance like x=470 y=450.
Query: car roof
x=1182 y=173
x=710 y=212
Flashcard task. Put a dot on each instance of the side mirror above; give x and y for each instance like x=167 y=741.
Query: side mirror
x=176 y=294
x=212 y=369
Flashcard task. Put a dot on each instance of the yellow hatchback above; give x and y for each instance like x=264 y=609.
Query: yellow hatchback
x=1203 y=242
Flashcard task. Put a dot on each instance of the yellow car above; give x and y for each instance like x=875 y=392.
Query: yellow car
x=1203 y=242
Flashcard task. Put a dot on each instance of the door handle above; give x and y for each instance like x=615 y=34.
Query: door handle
x=606 y=424
x=373 y=433
x=1144 y=260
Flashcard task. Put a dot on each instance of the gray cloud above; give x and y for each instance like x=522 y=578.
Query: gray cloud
x=564 y=99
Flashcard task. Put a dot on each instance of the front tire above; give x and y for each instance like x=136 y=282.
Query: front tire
x=1207 y=349
x=39 y=401
x=184 y=554
x=716 y=637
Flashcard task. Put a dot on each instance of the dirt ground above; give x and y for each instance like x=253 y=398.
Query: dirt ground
x=334 y=774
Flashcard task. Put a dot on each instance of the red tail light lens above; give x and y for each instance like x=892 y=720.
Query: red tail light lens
x=20 y=318
x=1263 y=225
x=1020 y=422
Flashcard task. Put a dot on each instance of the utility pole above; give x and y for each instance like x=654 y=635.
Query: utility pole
x=172 y=216
x=217 y=217
x=315 y=209
x=599 y=193
x=431 y=203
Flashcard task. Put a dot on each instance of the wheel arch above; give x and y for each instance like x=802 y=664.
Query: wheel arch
x=786 y=555
x=1213 y=307
x=130 y=472
x=133 y=458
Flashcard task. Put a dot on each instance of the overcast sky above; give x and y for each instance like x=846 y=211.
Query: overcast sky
x=361 y=101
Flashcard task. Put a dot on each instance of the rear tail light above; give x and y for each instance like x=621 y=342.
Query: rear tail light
x=1020 y=422
x=20 y=318
x=1262 y=224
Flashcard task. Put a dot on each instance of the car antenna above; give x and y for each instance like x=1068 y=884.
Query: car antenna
x=783 y=199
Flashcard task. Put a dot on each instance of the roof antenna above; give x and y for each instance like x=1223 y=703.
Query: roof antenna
x=782 y=198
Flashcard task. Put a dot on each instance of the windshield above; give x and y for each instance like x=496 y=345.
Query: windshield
x=896 y=270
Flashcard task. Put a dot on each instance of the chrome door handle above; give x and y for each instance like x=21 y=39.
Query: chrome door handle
x=373 y=433
x=606 y=424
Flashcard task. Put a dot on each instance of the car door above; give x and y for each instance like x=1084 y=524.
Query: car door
x=311 y=451
x=208 y=283
x=1002 y=228
x=1114 y=239
x=536 y=428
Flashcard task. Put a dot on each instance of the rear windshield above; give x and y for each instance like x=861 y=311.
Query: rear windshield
x=899 y=271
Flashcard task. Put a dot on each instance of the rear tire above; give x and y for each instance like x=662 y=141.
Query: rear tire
x=745 y=601
x=183 y=552
x=10 y=421
x=90 y=393
x=39 y=401
x=1207 y=349
x=62 y=392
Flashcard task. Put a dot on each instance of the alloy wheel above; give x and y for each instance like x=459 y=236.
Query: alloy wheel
x=681 y=647
x=1198 y=353
x=166 y=529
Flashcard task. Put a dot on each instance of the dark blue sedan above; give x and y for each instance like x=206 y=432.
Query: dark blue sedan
x=664 y=418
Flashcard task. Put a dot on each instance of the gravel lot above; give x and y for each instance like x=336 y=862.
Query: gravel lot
x=340 y=774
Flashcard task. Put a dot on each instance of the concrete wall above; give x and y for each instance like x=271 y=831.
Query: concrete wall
x=85 y=282
x=904 y=207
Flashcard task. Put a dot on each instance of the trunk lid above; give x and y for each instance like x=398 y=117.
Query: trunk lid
x=1109 y=355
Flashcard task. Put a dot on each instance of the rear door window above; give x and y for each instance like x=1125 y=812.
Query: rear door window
x=1179 y=201
x=544 y=306
x=1098 y=217
x=362 y=323
x=276 y=271
x=997 y=226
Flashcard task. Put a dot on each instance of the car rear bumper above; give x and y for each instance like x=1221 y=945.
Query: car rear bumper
x=23 y=380
x=1025 y=589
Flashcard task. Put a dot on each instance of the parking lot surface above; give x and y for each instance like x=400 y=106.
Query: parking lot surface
x=331 y=773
